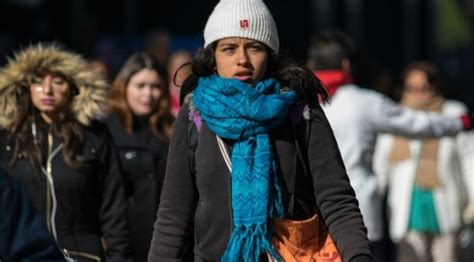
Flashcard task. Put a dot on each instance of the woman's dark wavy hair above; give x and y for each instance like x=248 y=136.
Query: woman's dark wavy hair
x=291 y=75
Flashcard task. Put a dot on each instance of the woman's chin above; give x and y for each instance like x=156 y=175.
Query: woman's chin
x=247 y=80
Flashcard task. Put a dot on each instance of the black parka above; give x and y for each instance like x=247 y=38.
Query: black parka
x=205 y=197
x=80 y=206
x=143 y=160
x=83 y=206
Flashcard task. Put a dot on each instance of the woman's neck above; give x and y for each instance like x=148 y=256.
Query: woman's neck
x=140 y=122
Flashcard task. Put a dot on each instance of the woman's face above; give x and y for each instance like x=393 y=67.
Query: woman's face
x=241 y=58
x=143 y=91
x=49 y=93
x=416 y=86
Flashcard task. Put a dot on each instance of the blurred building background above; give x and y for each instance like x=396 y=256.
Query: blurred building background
x=389 y=33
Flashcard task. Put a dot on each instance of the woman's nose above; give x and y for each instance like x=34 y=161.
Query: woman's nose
x=47 y=85
x=242 y=57
x=147 y=90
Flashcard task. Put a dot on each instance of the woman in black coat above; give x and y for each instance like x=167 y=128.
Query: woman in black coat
x=140 y=123
x=63 y=158
x=264 y=151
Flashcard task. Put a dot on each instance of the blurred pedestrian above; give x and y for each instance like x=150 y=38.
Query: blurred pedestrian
x=140 y=123
x=100 y=67
x=157 y=44
x=247 y=169
x=428 y=178
x=178 y=70
x=62 y=156
x=357 y=115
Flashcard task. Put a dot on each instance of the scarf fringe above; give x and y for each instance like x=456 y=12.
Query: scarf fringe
x=249 y=243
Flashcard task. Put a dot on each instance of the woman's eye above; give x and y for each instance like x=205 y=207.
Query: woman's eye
x=141 y=85
x=156 y=86
x=228 y=49
x=36 y=81
x=256 y=47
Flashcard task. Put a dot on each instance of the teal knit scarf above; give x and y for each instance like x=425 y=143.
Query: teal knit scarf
x=237 y=111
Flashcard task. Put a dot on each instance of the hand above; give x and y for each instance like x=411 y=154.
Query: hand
x=468 y=214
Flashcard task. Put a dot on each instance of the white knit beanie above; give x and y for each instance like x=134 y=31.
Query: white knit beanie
x=242 y=18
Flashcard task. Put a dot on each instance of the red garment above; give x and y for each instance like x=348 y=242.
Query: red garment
x=466 y=122
x=175 y=106
x=333 y=79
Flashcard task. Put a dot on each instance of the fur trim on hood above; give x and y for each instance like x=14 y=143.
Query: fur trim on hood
x=92 y=88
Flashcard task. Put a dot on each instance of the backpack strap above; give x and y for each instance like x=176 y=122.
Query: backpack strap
x=192 y=136
x=297 y=115
x=193 y=128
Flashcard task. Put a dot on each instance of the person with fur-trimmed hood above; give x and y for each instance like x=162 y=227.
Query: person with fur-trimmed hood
x=48 y=99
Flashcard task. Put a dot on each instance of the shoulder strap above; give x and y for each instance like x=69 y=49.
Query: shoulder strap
x=192 y=131
x=298 y=117
x=192 y=137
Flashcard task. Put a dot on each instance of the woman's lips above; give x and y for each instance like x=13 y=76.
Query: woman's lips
x=147 y=104
x=244 y=76
x=47 y=101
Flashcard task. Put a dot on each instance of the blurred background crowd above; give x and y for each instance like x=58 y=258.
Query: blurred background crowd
x=389 y=34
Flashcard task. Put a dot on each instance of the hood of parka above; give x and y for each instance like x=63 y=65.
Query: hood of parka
x=92 y=88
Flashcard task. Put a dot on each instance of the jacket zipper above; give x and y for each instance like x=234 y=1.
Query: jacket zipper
x=51 y=209
x=48 y=206
x=48 y=186
x=81 y=254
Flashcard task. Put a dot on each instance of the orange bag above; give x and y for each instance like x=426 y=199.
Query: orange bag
x=304 y=241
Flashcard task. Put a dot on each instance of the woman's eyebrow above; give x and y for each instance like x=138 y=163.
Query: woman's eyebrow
x=228 y=44
x=253 y=43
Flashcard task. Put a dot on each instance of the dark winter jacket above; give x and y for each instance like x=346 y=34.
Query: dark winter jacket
x=143 y=161
x=84 y=207
x=23 y=236
x=90 y=202
x=205 y=199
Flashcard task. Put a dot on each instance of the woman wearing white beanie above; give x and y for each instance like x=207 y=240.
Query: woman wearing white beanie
x=251 y=146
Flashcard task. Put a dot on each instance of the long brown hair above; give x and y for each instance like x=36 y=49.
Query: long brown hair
x=161 y=120
x=31 y=144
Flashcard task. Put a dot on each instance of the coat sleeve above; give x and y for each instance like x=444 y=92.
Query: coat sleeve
x=112 y=216
x=333 y=192
x=465 y=142
x=465 y=148
x=388 y=117
x=23 y=236
x=178 y=199
x=381 y=163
